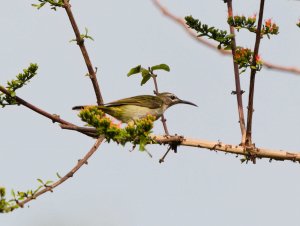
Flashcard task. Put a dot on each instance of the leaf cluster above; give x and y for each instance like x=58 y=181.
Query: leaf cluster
x=17 y=197
x=53 y=3
x=147 y=73
x=244 y=58
x=6 y=206
x=270 y=28
x=21 y=80
x=136 y=132
x=218 y=35
x=83 y=36
x=239 y=22
x=242 y=22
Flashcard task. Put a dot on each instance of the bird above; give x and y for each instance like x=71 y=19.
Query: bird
x=138 y=107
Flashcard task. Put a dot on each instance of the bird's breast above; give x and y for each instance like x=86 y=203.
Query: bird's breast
x=132 y=112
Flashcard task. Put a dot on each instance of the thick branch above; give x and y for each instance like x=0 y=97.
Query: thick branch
x=180 y=21
x=237 y=78
x=253 y=152
x=80 y=42
x=229 y=148
x=252 y=75
x=70 y=174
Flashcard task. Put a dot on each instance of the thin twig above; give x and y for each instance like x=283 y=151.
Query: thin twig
x=237 y=78
x=80 y=42
x=163 y=119
x=252 y=75
x=180 y=21
x=70 y=174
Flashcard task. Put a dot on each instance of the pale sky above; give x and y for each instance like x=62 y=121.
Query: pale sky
x=122 y=188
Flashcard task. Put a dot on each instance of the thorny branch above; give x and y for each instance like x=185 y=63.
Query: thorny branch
x=180 y=21
x=80 y=42
x=53 y=117
x=164 y=122
x=252 y=75
x=163 y=119
x=251 y=152
x=70 y=174
x=237 y=78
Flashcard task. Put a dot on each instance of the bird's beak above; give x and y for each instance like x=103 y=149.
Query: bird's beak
x=187 y=102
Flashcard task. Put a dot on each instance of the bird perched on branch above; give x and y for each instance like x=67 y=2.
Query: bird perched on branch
x=137 y=107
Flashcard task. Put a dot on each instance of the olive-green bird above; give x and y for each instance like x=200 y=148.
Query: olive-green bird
x=138 y=107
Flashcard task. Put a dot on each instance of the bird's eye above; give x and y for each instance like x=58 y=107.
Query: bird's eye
x=173 y=97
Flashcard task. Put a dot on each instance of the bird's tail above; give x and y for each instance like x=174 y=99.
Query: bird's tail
x=79 y=107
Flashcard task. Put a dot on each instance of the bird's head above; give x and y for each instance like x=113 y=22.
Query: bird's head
x=170 y=99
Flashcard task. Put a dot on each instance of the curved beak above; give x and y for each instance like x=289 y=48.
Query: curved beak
x=186 y=102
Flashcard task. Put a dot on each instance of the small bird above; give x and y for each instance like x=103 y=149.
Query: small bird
x=137 y=107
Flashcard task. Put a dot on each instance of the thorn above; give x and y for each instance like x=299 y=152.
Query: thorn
x=164 y=156
x=233 y=92
x=56 y=116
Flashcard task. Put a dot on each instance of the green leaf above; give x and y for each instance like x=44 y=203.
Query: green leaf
x=13 y=193
x=134 y=70
x=40 y=180
x=49 y=182
x=160 y=67
x=145 y=72
x=145 y=79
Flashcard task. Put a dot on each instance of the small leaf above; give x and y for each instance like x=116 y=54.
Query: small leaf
x=40 y=180
x=13 y=193
x=134 y=70
x=145 y=72
x=59 y=176
x=145 y=79
x=160 y=67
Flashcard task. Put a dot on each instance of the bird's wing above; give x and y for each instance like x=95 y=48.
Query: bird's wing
x=143 y=101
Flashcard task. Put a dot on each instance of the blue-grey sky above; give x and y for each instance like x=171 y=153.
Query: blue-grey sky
x=118 y=187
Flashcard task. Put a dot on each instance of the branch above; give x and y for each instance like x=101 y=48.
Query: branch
x=229 y=148
x=253 y=152
x=53 y=117
x=80 y=42
x=80 y=129
x=180 y=21
x=237 y=78
x=70 y=174
x=252 y=75
x=163 y=119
